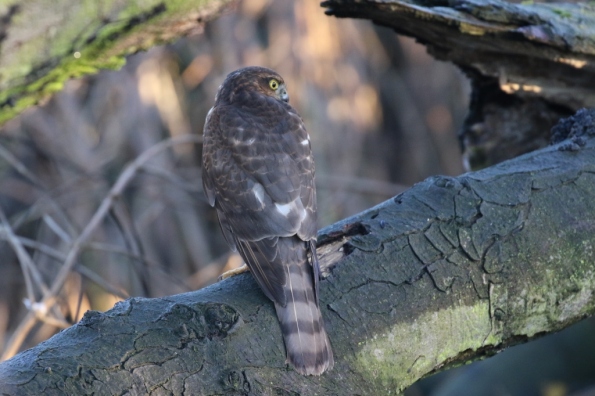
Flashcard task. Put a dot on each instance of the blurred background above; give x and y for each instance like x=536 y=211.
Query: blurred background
x=381 y=112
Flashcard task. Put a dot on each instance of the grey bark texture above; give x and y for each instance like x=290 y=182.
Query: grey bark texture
x=452 y=270
x=530 y=64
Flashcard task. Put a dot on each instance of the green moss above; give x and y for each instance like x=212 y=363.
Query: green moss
x=101 y=44
x=389 y=361
x=562 y=13
x=554 y=301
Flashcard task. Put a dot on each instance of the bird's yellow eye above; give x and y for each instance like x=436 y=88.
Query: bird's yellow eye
x=274 y=84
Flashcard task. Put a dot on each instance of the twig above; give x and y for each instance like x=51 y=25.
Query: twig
x=125 y=178
x=361 y=185
x=51 y=223
x=20 y=167
x=95 y=277
x=106 y=247
x=151 y=265
x=18 y=335
x=84 y=271
x=79 y=243
x=59 y=323
x=45 y=249
x=174 y=179
x=28 y=268
x=132 y=240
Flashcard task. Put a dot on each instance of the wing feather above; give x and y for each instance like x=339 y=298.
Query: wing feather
x=244 y=154
x=264 y=261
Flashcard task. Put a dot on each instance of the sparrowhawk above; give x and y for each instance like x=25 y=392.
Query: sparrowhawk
x=258 y=172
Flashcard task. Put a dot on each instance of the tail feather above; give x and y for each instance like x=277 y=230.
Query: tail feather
x=306 y=342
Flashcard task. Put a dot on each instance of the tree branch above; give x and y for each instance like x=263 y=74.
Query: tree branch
x=452 y=270
x=529 y=64
x=42 y=47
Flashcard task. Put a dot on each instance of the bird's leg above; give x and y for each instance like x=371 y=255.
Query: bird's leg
x=233 y=272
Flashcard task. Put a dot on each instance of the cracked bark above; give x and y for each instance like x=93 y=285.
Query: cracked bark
x=529 y=64
x=452 y=270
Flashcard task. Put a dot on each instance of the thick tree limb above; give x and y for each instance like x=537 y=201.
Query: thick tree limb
x=451 y=270
x=42 y=44
x=529 y=64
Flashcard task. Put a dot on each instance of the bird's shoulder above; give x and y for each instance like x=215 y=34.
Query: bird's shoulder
x=248 y=128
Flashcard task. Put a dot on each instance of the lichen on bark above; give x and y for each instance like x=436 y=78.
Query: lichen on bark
x=43 y=46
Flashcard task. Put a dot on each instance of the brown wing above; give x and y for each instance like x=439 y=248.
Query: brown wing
x=258 y=172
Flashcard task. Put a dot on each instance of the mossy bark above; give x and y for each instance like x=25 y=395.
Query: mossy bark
x=43 y=44
x=452 y=270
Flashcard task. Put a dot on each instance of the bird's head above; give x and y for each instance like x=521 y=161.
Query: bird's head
x=243 y=83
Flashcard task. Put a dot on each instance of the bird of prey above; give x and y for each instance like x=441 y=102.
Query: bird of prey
x=258 y=172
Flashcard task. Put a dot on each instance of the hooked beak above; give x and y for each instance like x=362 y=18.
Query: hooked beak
x=282 y=92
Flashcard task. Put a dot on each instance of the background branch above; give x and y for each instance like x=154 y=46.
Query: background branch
x=529 y=64
x=75 y=39
x=49 y=294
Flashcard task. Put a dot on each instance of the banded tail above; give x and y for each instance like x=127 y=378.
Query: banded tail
x=282 y=268
x=306 y=342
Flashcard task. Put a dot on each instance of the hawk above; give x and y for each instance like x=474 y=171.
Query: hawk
x=258 y=172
